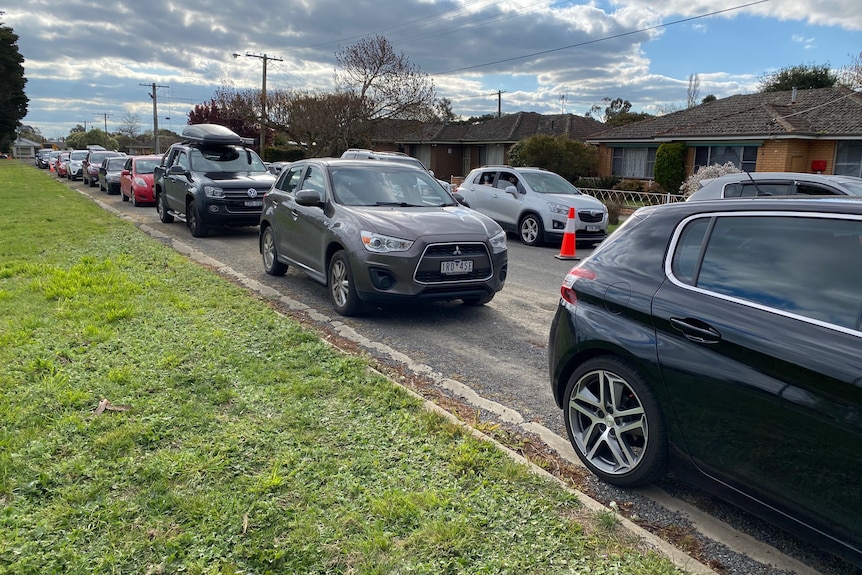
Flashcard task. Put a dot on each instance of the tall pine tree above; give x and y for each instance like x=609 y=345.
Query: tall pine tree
x=13 y=100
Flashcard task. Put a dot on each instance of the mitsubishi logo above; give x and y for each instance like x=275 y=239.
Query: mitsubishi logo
x=252 y=193
x=457 y=251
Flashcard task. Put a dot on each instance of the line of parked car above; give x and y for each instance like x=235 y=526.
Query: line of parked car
x=717 y=337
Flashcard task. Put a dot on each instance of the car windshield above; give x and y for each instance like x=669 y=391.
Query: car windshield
x=549 y=183
x=115 y=164
x=408 y=160
x=145 y=166
x=97 y=158
x=226 y=159
x=382 y=185
x=78 y=155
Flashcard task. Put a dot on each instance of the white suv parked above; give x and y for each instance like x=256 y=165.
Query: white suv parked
x=400 y=157
x=534 y=203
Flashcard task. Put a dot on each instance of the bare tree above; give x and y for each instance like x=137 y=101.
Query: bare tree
x=693 y=90
x=322 y=124
x=851 y=74
x=386 y=83
x=131 y=125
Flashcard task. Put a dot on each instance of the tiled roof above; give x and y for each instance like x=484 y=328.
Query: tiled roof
x=505 y=129
x=824 y=112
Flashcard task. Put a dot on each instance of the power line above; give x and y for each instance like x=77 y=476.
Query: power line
x=587 y=42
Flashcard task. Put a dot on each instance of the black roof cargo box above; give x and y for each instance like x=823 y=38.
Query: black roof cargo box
x=212 y=135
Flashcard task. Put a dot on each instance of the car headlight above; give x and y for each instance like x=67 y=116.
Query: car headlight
x=498 y=242
x=140 y=182
x=213 y=192
x=381 y=244
x=558 y=208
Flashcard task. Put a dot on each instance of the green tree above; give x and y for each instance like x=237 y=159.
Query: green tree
x=803 y=77
x=669 y=171
x=569 y=158
x=617 y=112
x=13 y=100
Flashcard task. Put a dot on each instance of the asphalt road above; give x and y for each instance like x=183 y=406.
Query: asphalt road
x=494 y=360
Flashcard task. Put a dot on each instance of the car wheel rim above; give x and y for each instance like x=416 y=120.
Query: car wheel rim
x=529 y=230
x=339 y=283
x=608 y=422
x=268 y=250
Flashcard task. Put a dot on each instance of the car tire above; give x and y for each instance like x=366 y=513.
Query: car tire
x=135 y=201
x=196 y=225
x=165 y=215
x=614 y=422
x=342 y=290
x=477 y=301
x=271 y=265
x=530 y=230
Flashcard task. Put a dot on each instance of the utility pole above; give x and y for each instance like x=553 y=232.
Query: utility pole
x=155 y=114
x=265 y=59
x=500 y=102
x=106 y=116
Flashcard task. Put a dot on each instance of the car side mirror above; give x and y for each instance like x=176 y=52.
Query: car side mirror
x=308 y=198
x=125 y=173
x=459 y=197
x=512 y=190
x=176 y=170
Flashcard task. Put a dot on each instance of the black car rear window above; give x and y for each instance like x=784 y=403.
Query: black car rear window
x=808 y=266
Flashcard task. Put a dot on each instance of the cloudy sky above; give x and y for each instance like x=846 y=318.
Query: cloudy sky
x=94 y=61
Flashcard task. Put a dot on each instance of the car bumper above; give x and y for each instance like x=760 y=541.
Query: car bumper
x=416 y=274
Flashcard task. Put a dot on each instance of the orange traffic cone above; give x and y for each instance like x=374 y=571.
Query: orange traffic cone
x=567 y=250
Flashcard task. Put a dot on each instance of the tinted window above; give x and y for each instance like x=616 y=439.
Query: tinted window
x=802 y=265
x=751 y=189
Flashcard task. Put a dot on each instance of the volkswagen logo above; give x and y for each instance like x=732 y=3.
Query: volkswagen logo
x=252 y=193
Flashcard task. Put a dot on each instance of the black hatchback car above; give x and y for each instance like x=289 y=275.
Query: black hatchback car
x=724 y=339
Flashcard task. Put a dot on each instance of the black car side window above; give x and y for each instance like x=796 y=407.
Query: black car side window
x=807 y=266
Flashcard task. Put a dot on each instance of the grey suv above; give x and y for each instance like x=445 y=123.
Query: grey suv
x=534 y=203
x=379 y=231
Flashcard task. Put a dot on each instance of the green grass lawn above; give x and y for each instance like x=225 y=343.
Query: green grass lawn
x=229 y=438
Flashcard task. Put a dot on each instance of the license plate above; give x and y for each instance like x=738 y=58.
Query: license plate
x=253 y=203
x=592 y=228
x=456 y=267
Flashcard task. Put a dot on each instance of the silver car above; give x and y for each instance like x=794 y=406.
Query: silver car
x=760 y=184
x=377 y=232
x=535 y=203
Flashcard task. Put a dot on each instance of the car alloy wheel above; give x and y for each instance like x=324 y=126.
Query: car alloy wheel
x=530 y=230
x=271 y=265
x=342 y=292
x=614 y=422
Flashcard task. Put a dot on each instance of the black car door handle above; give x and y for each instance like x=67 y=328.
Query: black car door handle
x=696 y=330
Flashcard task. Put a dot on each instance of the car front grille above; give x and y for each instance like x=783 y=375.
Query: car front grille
x=428 y=270
x=236 y=199
x=590 y=216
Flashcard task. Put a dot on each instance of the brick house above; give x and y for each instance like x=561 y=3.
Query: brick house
x=452 y=150
x=794 y=131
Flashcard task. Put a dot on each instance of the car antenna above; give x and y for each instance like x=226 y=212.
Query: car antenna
x=756 y=187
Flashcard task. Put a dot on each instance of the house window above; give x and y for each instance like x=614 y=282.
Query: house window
x=633 y=162
x=743 y=157
x=848 y=160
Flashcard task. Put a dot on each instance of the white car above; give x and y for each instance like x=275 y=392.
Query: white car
x=534 y=203
x=760 y=184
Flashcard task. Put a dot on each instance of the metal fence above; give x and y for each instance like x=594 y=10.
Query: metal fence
x=632 y=199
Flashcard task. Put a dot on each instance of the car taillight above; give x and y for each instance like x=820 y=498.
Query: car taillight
x=566 y=290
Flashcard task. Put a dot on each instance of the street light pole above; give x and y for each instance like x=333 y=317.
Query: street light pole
x=265 y=59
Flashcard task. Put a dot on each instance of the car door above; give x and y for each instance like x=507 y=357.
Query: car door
x=126 y=177
x=177 y=183
x=281 y=206
x=758 y=337
x=310 y=223
x=503 y=206
x=477 y=191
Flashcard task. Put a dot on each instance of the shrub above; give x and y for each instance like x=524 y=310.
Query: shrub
x=629 y=186
x=614 y=209
x=670 y=166
x=564 y=156
x=692 y=184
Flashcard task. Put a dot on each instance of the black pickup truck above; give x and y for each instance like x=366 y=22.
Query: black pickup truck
x=210 y=178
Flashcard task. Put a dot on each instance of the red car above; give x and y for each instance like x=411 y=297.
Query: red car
x=136 y=179
x=61 y=168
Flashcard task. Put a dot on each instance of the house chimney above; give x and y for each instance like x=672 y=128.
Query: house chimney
x=793 y=96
